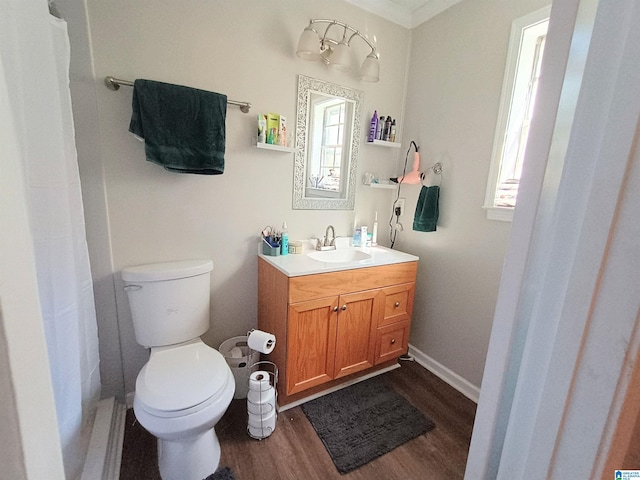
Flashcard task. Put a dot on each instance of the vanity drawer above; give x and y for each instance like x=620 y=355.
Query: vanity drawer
x=391 y=341
x=398 y=304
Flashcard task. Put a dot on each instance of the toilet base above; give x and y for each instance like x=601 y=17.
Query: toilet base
x=192 y=458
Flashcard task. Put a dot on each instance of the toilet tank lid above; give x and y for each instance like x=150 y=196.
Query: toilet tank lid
x=156 y=272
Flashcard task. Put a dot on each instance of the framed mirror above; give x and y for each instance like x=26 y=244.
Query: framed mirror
x=327 y=145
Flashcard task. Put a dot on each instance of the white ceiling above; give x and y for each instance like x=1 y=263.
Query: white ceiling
x=408 y=13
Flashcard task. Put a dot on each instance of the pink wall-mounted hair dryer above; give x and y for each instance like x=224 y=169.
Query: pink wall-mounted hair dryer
x=415 y=176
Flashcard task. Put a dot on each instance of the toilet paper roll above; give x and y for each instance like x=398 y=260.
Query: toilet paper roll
x=258 y=432
x=263 y=421
x=257 y=397
x=259 y=381
x=261 y=341
x=262 y=408
x=236 y=352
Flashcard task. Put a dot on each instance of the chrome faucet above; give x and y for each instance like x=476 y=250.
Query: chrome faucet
x=333 y=237
x=325 y=243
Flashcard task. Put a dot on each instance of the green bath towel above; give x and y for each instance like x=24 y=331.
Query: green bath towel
x=426 y=216
x=183 y=128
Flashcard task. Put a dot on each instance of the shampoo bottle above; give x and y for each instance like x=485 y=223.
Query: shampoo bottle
x=380 y=129
x=284 y=242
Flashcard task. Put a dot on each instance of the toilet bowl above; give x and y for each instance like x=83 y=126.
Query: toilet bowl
x=186 y=386
x=181 y=394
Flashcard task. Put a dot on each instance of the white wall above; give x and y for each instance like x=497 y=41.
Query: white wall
x=247 y=51
x=454 y=84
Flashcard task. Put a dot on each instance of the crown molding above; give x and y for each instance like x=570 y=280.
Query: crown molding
x=429 y=10
x=404 y=16
x=385 y=9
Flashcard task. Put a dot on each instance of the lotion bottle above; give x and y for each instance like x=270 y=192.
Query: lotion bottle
x=284 y=242
x=356 y=237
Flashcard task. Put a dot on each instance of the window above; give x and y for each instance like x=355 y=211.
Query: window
x=526 y=48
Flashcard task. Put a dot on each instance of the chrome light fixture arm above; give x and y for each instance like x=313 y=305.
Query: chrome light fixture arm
x=326 y=40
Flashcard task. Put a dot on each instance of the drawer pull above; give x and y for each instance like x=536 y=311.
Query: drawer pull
x=335 y=309
x=393 y=340
x=397 y=304
x=344 y=307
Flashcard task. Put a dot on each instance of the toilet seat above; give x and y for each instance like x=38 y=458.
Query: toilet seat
x=181 y=380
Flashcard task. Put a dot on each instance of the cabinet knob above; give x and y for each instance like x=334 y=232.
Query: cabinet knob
x=335 y=309
x=397 y=304
x=393 y=340
x=344 y=307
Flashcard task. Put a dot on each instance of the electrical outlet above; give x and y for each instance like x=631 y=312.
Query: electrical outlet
x=399 y=204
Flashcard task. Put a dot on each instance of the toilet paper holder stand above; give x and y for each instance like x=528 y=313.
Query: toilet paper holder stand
x=267 y=417
x=262 y=424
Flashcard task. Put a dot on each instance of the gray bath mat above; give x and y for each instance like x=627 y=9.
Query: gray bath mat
x=364 y=421
x=222 y=474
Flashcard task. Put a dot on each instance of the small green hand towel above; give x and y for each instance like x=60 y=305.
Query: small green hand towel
x=183 y=128
x=426 y=216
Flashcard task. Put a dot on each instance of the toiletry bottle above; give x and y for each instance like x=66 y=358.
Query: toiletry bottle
x=356 y=237
x=392 y=135
x=380 y=128
x=363 y=235
x=373 y=127
x=284 y=242
x=374 y=233
x=387 y=129
x=262 y=127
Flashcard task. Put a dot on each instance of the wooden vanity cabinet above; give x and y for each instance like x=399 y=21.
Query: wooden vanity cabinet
x=332 y=325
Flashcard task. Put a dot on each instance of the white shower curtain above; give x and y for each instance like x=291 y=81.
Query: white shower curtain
x=35 y=52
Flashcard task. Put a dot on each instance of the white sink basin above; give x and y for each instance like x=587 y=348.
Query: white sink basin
x=345 y=255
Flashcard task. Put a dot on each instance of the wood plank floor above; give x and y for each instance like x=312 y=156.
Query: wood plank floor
x=294 y=451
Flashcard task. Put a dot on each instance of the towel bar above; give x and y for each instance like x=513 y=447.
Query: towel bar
x=114 y=84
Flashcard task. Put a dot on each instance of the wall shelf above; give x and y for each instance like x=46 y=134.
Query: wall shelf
x=388 y=186
x=276 y=148
x=384 y=143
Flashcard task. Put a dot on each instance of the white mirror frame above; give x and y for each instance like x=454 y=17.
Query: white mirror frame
x=306 y=86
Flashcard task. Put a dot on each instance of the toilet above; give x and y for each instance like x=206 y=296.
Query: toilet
x=186 y=386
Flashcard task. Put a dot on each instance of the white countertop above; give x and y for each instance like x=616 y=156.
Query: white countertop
x=294 y=265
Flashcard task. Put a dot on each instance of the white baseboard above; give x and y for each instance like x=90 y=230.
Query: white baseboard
x=129 y=399
x=449 y=376
x=105 y=446
x=282 y=408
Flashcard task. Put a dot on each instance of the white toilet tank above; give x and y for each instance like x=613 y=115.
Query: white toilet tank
x=169 y=301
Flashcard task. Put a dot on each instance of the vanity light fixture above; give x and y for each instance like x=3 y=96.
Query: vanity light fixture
x=335 y=53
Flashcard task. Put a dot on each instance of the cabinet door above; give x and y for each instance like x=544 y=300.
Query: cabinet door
x=311 y=340
x=356 y=332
